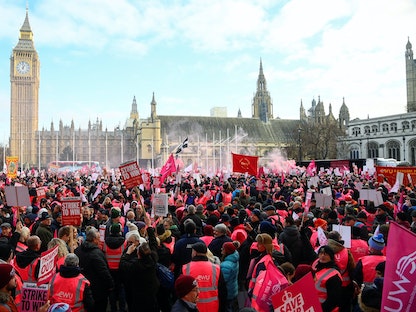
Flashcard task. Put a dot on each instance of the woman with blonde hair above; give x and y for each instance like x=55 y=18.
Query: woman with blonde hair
x=24 y=235
x=62 y=251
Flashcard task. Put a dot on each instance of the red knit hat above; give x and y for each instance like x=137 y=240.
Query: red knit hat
x=229 y=248
x=184 y=284
x=6 y=274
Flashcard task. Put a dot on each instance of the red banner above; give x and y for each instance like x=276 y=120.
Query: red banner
x=390 y=174
x=168 y=168
x=301 y=296
x=130 y=173
x=399 y=285
x=71 y=211
x=244 y=163
x=40 y=192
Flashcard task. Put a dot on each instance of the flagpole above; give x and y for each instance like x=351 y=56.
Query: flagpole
x=89 y=148
x=73 y=150
x=213 y=152
x=206 y=152
x=220 y=153
x=57 y=148
x=121 y=145
x=228 y=150
x=39 y=150
x=236 y=147
x=197 y=156
x=152 y=156
x=106 y=149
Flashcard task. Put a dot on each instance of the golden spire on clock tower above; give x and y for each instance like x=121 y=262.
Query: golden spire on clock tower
x=24 y=101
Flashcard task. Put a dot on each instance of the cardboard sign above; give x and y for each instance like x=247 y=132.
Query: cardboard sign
x=345 y=232
x=301 y=296
x=47 y=265
x=160 y=204
x=33 y=297
x=71 y=211
x=130 y=173
x=17 y=196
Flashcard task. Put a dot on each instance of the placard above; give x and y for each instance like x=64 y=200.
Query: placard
x=47 y=265
x=130 y=173
x=12 y=165
x=17 y=196
x=301 y=296
x=33 y=297
x=40 y=192
x=71 y=211
x=160 y=204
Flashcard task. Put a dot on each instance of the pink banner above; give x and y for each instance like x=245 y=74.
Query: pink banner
x=400 y=275
x=301 y=296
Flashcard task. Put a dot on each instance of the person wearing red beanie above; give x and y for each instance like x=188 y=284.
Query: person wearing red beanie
x=187 y=291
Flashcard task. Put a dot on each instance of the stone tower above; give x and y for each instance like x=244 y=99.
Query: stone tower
x=410 y=78
x=262 y=106
x=344 y=115
x=24 y=102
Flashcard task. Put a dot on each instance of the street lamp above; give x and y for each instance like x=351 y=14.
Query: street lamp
x=404 y=148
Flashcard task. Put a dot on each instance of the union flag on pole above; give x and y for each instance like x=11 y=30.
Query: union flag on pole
x=244 y=163
x=400 y=274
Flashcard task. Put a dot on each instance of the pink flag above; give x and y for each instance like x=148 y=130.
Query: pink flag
x=168 y=168
x=399 y=206
x=399 y=277
x=283 y=178
x=311 y=169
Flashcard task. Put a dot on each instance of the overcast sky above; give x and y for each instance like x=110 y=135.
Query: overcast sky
x=194 y=55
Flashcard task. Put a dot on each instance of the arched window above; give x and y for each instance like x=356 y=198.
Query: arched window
x=354 y=152
x=405 y=125
x=372 y=150
x=412 y=152
x=413 y=124
x=393 y=149
x=367 y=129
x=385 y=127
x=393 y=127
x=356 y=131
x=374 y=128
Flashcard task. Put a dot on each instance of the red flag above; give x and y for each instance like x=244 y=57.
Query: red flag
x=399 y=275
x=399 y=206
x=243 y=164
x=261 y=172
x=168 y=168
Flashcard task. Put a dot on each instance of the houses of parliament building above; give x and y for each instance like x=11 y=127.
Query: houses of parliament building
x=151 y=139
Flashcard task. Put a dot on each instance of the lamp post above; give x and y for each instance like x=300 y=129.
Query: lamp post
x=361 y=151
x=368 y=145
x=404 y=148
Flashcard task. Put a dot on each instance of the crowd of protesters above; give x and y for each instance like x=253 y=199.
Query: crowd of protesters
x=219 y=237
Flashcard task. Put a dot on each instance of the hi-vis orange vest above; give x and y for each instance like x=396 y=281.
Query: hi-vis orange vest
x=369 y=266
x=20 y=247
x=171 y=245
x=207 y=274
x=113 y=256
x=68 y=290
x=28 y=273
x=341 y=259
x=321 y=278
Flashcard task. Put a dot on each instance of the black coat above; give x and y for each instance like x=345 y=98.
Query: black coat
x=216 y=244
x=94 y=266
x=140 y=281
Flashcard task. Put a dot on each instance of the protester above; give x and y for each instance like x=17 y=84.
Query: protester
x=71 y=287
x=187 y=291
x=95 y=268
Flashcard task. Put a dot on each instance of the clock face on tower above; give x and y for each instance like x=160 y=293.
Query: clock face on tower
x=23 y=67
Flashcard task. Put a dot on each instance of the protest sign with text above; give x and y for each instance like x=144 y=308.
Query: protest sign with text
x=130 y=173
x=47 y=265
x=71 y=211
x=33 y=297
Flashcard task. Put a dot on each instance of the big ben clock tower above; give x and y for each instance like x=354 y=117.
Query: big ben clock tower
x=24 y=103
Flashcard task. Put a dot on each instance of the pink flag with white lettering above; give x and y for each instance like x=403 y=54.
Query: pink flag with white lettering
x=399 y=285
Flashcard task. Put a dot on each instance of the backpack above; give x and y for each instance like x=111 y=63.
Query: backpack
x=166 y=277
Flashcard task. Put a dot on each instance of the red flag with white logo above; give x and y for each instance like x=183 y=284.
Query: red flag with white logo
x=244 y=163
